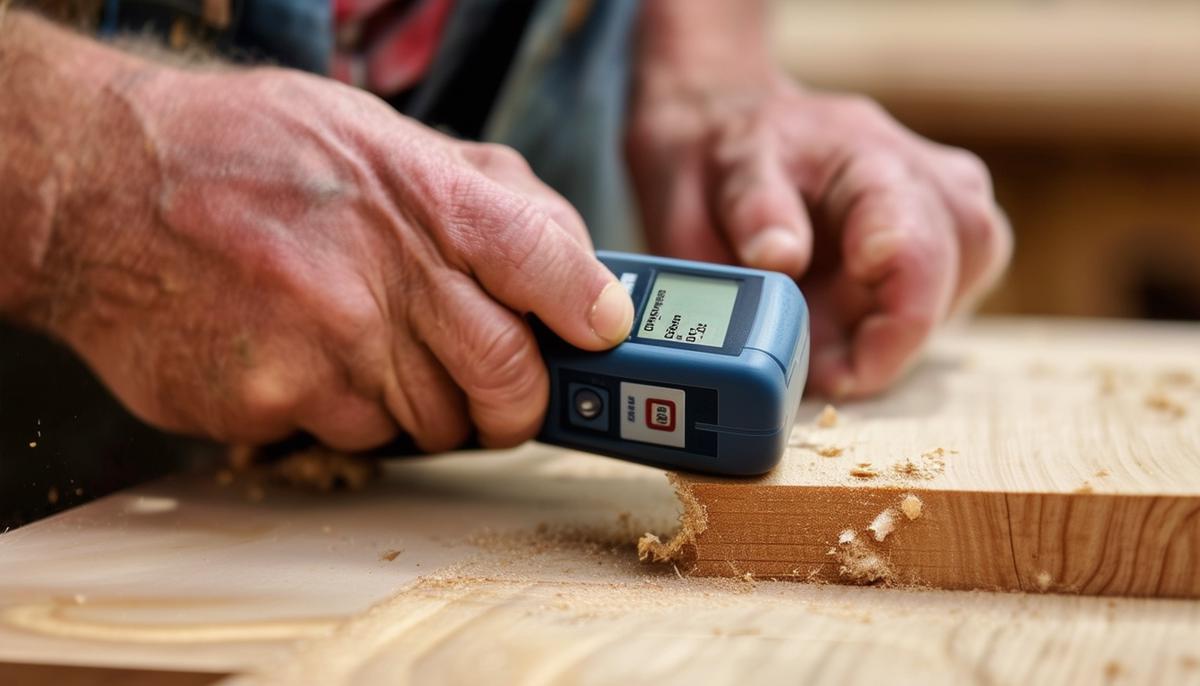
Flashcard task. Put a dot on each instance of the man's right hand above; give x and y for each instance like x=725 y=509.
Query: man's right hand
x=242 y=254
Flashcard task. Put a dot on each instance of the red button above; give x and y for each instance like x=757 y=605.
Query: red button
x=660 y=414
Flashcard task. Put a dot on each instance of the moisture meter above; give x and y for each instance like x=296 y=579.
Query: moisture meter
x=708 y=380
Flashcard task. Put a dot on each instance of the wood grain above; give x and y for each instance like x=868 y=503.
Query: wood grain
x=684 y=631
x=1059 y=458
x=520 y=567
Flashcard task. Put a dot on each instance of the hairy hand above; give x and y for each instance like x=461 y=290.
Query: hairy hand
x=887 y=232
x=251 y=253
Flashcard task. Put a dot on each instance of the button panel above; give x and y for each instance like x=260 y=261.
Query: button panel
x=653 y=414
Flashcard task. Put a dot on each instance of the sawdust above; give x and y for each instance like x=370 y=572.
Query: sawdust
x=931 y=464
x=1101 y=473
x=52 y=495
x=316 y=468
x=326 y=470
x=390 y=555
x=1113 y=670
x=1159 y=401
x=864 y=470
x=830 y=451
x=911 y=506
x=858 y=561
x=883 y=524
x=828 y=418
x=1176 y=377
x=1084 y=488
x=692 y=522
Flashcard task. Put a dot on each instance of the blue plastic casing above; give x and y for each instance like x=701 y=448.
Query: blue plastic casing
x=741 y=398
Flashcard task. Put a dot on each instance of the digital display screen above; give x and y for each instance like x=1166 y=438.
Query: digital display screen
x=688 y=309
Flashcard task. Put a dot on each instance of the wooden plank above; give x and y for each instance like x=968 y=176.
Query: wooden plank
x=1045 y=457
x=666 y=630
x=520 y=566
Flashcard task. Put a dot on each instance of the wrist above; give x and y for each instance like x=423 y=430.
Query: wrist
x=690 y=49
x=64 y=128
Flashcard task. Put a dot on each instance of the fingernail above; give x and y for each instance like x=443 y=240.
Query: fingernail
x=879 y=247
x=771 y=247
x=612 y=314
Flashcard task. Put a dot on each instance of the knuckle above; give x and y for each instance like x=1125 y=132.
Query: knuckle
x=971 y=172
x=507 y=363
x=864 y=109
x=266 y=395
x=500 y=156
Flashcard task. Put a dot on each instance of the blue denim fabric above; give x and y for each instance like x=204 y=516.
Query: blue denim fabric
x=289 y=33
x=563 y=106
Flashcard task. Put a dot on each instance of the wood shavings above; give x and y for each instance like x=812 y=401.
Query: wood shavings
x=911 y=506
x=326 y=470
x=828 y=418
x=859 y=562
x=1161 y=402
x=1101 y=473
x=692 y=522
x=390 y=555
x=1176 y=377
x=1113 y=670
x=883 y=524
x=932 y=463
x=864 y=470
x=1085 y=487
x=830 y=451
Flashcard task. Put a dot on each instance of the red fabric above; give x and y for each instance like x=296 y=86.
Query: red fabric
x=383 y=50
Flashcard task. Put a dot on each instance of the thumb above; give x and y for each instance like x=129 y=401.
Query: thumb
x=526 y=261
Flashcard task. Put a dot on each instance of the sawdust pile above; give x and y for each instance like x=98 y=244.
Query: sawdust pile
x=859 y=561
x=1159 y=401
x=692 y=522
x=316 y=468
x=864 y=470
x=864 y=561
x=930 y=465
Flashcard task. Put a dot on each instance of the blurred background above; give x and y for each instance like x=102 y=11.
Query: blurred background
x=1087 y=112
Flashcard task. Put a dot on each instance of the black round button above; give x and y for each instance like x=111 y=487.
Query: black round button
x=588 y=403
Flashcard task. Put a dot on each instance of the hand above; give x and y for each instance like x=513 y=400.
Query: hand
x=887 y=232
x=252 y=253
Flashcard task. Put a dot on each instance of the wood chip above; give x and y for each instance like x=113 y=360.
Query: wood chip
x=828 y=417
x=911 y=506
x=1161 y=402
x=830 y=451
x=390 y=555
x=864 y=471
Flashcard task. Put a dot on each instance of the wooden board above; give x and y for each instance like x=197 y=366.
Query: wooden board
x=1046 y=457
x=521 y=567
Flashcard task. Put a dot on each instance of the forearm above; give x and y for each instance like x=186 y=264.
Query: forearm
x=695 y=46
x=59 y=118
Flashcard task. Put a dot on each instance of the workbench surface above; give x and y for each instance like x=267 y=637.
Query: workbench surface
x=521 y=567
